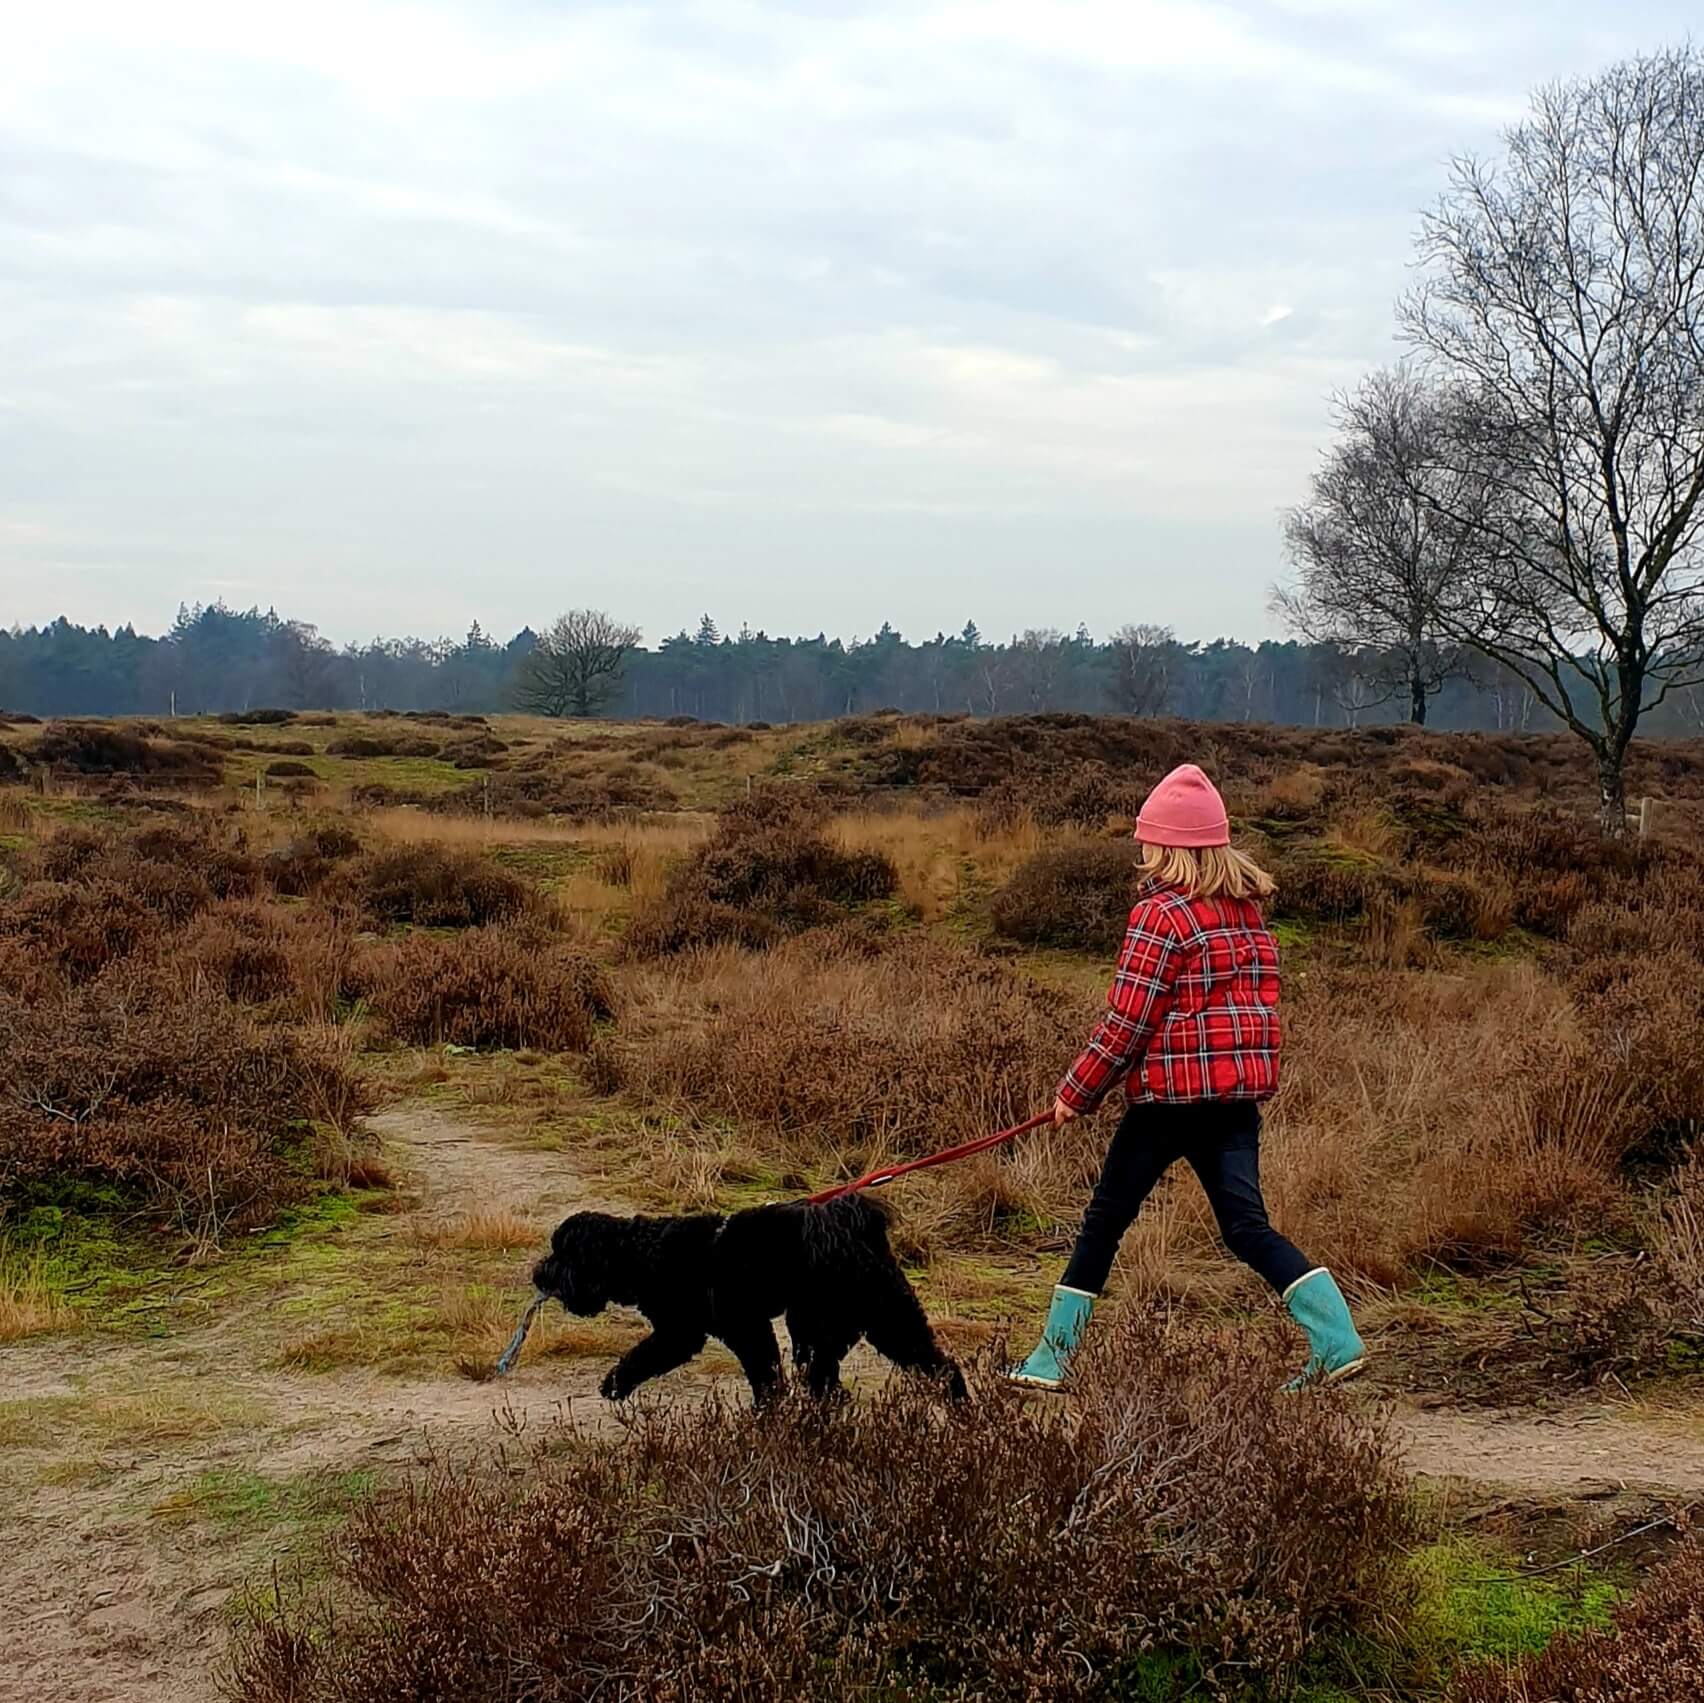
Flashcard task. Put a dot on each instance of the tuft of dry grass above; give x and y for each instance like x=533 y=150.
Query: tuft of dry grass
x=932 y=853
x=833 y=1053
x=483 y=1229
x=29 y=1304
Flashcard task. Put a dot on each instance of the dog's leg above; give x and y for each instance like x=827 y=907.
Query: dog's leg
x=753 y=1344
x=898 y=1327
x=657 y=1354
x=820 y=1343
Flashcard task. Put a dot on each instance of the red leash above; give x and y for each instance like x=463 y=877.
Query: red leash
x=887 y=1174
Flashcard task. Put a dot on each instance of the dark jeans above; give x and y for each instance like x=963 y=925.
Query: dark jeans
x=1221 y=1141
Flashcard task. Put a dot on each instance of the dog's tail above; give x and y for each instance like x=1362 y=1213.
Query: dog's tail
x=851 y=1220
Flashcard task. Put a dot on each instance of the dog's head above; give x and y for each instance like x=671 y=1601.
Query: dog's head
x=578 y=1270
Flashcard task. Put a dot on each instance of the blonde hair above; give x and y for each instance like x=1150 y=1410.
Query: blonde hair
x=1207 y=872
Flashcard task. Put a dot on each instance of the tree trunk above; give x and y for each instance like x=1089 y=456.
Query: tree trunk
x=1416 y=697
x=1612 y=794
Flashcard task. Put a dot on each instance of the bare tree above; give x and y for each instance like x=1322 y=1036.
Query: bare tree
x=1035 y=661
x=1564 y=308
x=1359 y=682
x=1143 y=684
x=1378 y=546
x=575 y=666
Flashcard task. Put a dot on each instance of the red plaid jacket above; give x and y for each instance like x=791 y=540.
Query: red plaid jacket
x=1193 y=1011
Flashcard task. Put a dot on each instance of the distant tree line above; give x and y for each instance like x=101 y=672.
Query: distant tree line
x=215 y=658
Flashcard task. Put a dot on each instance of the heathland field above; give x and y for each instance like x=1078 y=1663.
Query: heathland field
x=312 y=1026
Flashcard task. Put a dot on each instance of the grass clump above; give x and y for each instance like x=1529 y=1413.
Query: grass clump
x=30 y=1304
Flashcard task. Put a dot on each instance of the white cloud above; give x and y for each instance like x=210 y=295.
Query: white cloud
x=815 y=313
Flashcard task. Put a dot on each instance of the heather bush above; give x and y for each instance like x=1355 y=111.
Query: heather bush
x=1652 y=1652
x=287 y=769
x=258 y=953
x=438 y=887
x=502 y=986
x=768 y=870
x=1316 y=887
x=94 y=748
x=174 y=868
x=304 y=865
x=172 y=1093
x=76 y=927
x=222 y=860
x=1078 y=795
x=1076 y=894
x=383 y=744
x=687 y=922
x=1678 y=1243
x=256 y=718
x=884 y=1548
x=12 y=766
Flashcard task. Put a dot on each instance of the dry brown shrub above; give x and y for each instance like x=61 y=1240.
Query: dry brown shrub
x=94 y=748
x=1293 y=797
x=489 y=987
x=303 y=866
x=1078 y=795
x=563 y=781
x=76 y=928
x=257 y=953
x=1652 y=1652
x=1076 y=894
x=1315 y=888
x=383 y=743
x=676 y=923
x=257 y=718
x=178 y=1096
x=767 y=870
x=887 y=1547
x=439 y=887
x=287 y=768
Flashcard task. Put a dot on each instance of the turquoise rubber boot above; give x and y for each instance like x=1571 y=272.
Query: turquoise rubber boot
x=1317 y=1305
x=1066 y=1317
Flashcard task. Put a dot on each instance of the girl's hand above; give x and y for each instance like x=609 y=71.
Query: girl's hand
x=1062 y=1114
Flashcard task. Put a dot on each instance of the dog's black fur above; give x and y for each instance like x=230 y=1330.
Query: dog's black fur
x=828 y=1268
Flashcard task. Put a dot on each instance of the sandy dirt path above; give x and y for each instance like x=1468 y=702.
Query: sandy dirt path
x=111 y=1589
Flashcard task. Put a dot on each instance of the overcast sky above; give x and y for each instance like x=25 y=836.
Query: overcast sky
x=810 y=314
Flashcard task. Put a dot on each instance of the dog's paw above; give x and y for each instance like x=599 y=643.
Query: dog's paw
x=610 y=1389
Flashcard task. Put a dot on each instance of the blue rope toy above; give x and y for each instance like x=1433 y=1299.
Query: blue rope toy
x=513 y=1352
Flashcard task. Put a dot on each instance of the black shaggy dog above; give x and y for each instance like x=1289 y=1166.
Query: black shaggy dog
x=827 y=1268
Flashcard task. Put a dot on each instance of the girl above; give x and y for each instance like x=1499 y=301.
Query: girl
x=1192 y=1027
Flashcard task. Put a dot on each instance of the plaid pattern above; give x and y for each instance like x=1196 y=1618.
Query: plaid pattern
x=1193 y=1011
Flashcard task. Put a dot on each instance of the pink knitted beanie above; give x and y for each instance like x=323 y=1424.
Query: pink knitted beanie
x=1185 y=809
